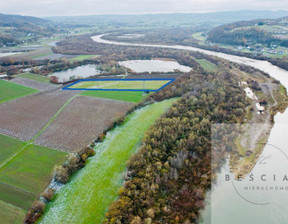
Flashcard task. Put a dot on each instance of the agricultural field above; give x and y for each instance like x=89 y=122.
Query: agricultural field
x=30 y=171
x=25 y=176
x=81 y=122
x=33 y=84
x=10 y=213
x=83 y=57
x=116 y=95
x=103 y=175
x=11 y=91
x=9 y=146
x=207 y=65
x=35 y=77
x=121 y=84
x=36 y=54
x=24 y=118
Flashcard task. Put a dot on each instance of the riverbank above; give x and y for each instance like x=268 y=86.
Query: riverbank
x=229 y=206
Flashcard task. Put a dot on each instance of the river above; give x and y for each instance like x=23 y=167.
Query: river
x=227 y=204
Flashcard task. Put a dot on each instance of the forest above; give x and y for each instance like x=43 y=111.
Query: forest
x=167 y=179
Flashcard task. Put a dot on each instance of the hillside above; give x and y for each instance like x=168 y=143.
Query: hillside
x=16 y=29
x=252 y=34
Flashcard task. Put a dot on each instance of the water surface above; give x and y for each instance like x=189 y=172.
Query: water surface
x=79 y=72
x=225 y=205
x=140 y=66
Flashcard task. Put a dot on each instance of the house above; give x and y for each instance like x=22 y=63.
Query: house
x=3 y=76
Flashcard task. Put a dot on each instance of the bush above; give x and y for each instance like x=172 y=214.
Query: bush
x=35 y=212
x=61 y=174
x=48 y=194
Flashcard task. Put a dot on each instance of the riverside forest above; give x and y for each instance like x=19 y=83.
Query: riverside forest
x=138 y=119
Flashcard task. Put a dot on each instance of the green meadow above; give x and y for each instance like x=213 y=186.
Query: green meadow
x=11 y=214
x=31 y=169
x=35 y=77
x=25 y=171
x=207 y=65
x=117 y=95
x=8 y=147
x=86 y=198
x=9 y=91
x=145 y=84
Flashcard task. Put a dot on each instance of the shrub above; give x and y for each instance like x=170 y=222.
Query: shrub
x=48 y=194
x=35 y=212
x=61 y=174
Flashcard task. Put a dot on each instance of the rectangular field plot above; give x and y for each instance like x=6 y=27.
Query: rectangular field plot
x=9 y=91
x=28 y=175
x=8 y=147
x=81 y=122
x=11 y=214
x=35 y=77
x=25 y=117
x=133 y=96
x=33 y=84
x=152 y=85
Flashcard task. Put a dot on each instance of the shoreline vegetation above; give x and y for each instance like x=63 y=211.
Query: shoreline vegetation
x=280 y=62
x=213 y=95
x=174 y=170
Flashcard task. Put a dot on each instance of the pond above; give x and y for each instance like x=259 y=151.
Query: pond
x=79 y=72
x=225 y=205
x=9 y=54
x=140 y=66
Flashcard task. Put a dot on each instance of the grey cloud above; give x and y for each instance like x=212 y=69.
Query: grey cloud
x=88 y=7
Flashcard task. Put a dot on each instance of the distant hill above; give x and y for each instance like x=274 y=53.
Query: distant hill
x=260 y=31
x=17 y=20
x=178 y=19
x=16 y=29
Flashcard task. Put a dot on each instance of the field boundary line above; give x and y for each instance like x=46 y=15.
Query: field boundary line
x=33 y=91
x=12 y=206
x=8 y=161
x=5 y=163
x=53 y=118
x=17 y=188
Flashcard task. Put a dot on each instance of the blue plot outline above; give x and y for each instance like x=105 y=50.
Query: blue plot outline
x=68 y=87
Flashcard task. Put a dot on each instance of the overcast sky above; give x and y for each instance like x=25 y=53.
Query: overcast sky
x=42 y=8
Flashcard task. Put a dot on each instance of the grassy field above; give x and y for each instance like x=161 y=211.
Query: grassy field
x=116 y=95
x=151 y=85
x=35 y=77
x=9 y=91
x=10 y=213
x=82 y=57
x=31 y=169
x=87 y=197
x=8 y=147
x=207 y=65
x=25 y=171
x=27 y=175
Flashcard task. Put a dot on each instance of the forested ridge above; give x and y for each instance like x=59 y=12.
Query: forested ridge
x=167 y=179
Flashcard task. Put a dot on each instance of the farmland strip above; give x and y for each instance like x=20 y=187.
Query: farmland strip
x=8 y=161
x=53 y=118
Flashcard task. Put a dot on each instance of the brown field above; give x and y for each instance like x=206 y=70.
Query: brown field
x=23 y=118
x=81 y=122
x=33 y=84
